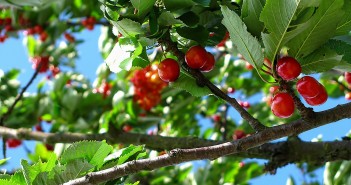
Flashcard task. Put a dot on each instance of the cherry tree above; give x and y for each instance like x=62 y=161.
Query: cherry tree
x=169 y=66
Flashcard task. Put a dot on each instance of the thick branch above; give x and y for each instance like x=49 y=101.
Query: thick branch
x=177 y=156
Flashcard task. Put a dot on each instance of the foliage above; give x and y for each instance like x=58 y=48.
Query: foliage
x=134 y=37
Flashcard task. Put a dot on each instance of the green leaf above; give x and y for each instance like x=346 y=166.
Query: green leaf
x=31 y=44
x=316 y=31
x=250 y=13
x=344 y=26
x=167 y=19
x=143 y=6
x=188 y=84
x=3 y=161
x=321 y=60
x=189 y=18
x=128 y=27
x=341 y=48
x=92 y=151
x=247 y=45
x=129 y=152
x=31 y=172
x=173 y=5
x=277 y=16
x=74 y=169
x=198 y=34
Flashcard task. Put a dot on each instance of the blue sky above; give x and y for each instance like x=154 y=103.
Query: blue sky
x=13 y=54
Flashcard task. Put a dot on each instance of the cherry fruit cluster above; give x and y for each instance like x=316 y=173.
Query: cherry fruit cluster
x=314 y=93
x=40 y=61
x=89 y=23
x=37 y=30
x=147 y=87
x=198 y=58
x=104 y=89
x=6 y=24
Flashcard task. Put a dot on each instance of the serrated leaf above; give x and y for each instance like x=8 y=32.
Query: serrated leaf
x=277 y=16
x=188 y=84
x=321 y=60
x=344 y=26
x=247 y=45
x=92 y=151
x=30 y=172
x=74 y=169
x=316 y=31
x=250 y=14
x=167 y=19
x=143 y=6
x=341 y=48
x=128 y=152
x=128 y=27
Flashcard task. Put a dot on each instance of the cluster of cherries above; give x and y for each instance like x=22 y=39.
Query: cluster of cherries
x=6 y=24
x=147 y=86
x=314 y=93
x=43 y=35
x=104 y=89
x=196 y=58
x=89 y=23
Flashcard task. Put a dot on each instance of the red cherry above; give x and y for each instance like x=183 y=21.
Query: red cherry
x=248 y=66
x=320 y=98
x=196 y=57
x=288 y=68
x=348 y=96
x=7 y=21
x=2 y=39
x=209 y=64
x=348 y=77
x=127 y=128
x=43 y=36
x=2 y=21
x=38 y=128
x=308 y=87
x=38 y=29
x=241 y=164
x=230 y=90
x=49 y=147
x=13 y=143
x=69 y=37
x=168 y=70
x=238 y=134
x=29 y=31
x=8 y=28
x=216 y=118
x=40 y=60
x=283 y=105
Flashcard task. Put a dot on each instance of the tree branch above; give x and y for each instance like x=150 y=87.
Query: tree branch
x=177 y=156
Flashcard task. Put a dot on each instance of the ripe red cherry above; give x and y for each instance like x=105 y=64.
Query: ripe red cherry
x=196 y=57
x=238 y=134
x=320 y=98
x=283 y=105
x=13 y=143
x=248 y=66
x=288 y=68
x=230 y=90
x=169 y=70
x=209 y=64
x=216 y=118
x=308 y=87
x=127 y=128
x=348 y=77
x=40 y=60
